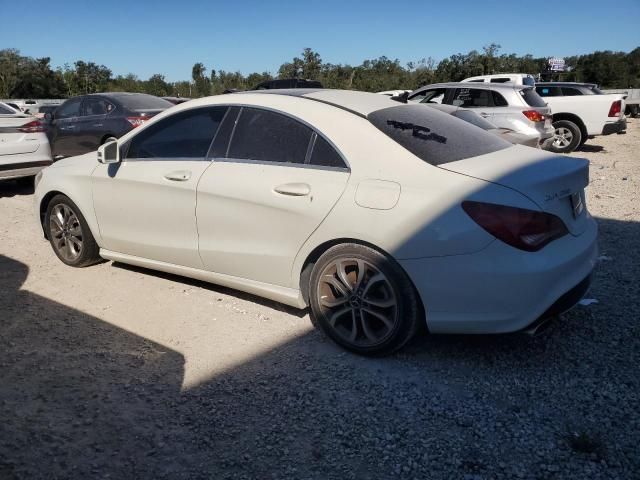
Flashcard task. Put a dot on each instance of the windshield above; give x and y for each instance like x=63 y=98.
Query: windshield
x=433 y=136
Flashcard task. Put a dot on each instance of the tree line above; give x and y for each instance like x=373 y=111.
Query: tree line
x=27 y=77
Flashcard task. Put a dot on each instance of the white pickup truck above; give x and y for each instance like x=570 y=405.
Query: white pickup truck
x=577 y=118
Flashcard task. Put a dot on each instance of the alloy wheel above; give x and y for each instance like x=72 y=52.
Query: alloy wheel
x=66 y=232
x=358 y=301
x=562 y=138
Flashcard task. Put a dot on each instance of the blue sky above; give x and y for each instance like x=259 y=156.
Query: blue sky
x=168 y=37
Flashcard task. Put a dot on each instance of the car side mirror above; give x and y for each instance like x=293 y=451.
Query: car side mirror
x=48 y=116
x=109 y=153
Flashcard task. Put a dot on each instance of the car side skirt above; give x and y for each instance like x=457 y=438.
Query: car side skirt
x=288 y=296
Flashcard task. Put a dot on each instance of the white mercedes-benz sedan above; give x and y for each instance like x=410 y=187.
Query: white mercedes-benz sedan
x=379 y=216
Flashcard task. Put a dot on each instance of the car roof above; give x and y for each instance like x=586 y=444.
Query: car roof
x=360 y=103
x=565 y=84
x=485 y=86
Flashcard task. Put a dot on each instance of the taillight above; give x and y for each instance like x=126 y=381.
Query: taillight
x=137 y=121
x=32 y=127
x=615 y=109
x=534 y=115
x=521 y=228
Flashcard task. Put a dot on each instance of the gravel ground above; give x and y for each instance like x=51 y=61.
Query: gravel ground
x=116 y=372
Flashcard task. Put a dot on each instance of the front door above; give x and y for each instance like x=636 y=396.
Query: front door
x=64 y=126
x=145 y=205
x=259 y=202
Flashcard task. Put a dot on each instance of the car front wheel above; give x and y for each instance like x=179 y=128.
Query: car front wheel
x=69 y=234
x=363 y=300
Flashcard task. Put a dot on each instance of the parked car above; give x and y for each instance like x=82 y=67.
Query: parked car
x=515 y=107
x=473 y=118
x=580 y=112
x=287 y=83
x=566 y=89
x=82 y=124
x=14 y=106
x=394 y=93
x=517 y=78
x=176 y=100
x=377 y=214
x=24 y=147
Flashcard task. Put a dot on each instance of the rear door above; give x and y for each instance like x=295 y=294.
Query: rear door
x=264 y=194
x=146 y=204
x=91 y=129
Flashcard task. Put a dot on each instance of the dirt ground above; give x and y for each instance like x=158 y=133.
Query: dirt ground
x=118 y=372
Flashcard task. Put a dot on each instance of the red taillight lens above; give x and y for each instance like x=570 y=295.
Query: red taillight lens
x=615 y=109
x=524 y=229
x=534 y=115
x=137 y=121
x=32 y=127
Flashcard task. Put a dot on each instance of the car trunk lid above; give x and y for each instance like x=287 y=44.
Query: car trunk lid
x=555 y=183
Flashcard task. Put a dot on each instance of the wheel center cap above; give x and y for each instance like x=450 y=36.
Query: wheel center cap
x=354 y=301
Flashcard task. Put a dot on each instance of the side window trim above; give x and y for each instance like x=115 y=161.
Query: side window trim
x=306 y=164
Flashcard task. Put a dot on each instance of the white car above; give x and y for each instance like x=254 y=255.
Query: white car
x=24 y=146
x=517 y=78
x=378 y=215
x=394 y=93
x=575 y=118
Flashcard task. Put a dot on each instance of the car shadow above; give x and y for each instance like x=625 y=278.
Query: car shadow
x=11 y=188
x=81 y=398
x=589 y=148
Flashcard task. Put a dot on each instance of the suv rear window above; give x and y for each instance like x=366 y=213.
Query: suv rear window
x=532 y=98
x=433 y=136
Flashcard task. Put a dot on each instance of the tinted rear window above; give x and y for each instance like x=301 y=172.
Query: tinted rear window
x=435 y=137
x=144 y=102
x=532 y=98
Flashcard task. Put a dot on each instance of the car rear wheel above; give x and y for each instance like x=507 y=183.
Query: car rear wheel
x=363 y=300
x=566 y=138
x=69 y=234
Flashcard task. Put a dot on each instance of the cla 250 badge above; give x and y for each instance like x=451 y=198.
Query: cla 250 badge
x=555 y=196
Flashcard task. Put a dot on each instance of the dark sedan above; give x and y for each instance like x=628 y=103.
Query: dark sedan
x=82 y=124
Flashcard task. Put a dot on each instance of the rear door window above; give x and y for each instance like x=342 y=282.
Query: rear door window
x=473 y=98
x=498 y=100
x=266 y=136
x=186 y=134
x=97 y=106
x=435 y=137
x=570 y=91
x=531 y=98
x=324 y=155
x=6 y=111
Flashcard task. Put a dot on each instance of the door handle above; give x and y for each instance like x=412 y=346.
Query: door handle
x=293 y=189
x=178 y=176
x=484 y=115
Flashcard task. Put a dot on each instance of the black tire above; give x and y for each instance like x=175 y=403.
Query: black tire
x=374 y=283
x=567 y=137
x=69 y=234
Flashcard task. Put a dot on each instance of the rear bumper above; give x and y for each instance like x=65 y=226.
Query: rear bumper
x=22 y=169
x=615 y=127
x=501 y=289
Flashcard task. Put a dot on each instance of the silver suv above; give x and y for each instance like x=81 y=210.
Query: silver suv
x=514 y=107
